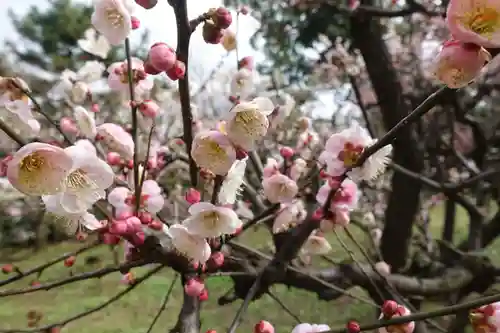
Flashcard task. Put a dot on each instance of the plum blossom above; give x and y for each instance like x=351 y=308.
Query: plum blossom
x=86 y=183
x=476 y=22
x=71 y=222
x=113 y=19
x=458 y=64
x=247 y=122
x=272 y=167
x=232 y=182
x=13 y=89
x=486 y=318
x=94 y=43
x=288 y=216
x=343 y=150
x=242 y=84
x=346 y=196
x=316 y=244
x=400 y=311
x=116 y=139
x=39 y=169
x=208 y=220
x=213 y=151
x=193 y=247
x=85 y=121
x=86 y=145
x=118 y=79
x=310 y=328
x=74 y=86
x=297 y=169
x=124 y=200
x=279 y=188
x=19 y=116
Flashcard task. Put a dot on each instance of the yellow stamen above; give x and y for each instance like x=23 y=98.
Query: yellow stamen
x=484 y=21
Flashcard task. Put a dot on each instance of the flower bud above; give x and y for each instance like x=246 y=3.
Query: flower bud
x=7 y=268
x=118 y=227
x=263 y=327
x=138 y=238
x=389 y=308
x=149 y=109
x=216 y=260
x=156 y=225
x=70 y=261
x=353 y=327
x=194 y=287
x=135 y=22
x=177 y=71
x=110 y=239
x=211 y=33
x=286 y=152
x=203 y=295
x=192 y=196
x=133 y=224
x=113 y=158
x=68 y=125
x=146 y=4
x=222 y=17
x=246 y=62
x=162 y=57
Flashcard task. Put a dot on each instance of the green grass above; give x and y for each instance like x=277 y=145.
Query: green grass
x=134 y=312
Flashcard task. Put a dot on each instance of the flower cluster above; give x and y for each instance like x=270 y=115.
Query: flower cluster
x=474 y=26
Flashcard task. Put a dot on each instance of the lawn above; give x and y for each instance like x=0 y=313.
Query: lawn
x=134 y=312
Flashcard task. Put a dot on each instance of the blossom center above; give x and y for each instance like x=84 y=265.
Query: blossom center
x=114 y=17
x=248 y=120
x=78 y=180
x=211 y=220
x=483 y=20
x=214 y=150
x=350 y=154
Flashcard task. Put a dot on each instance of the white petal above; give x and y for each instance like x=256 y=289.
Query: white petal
x=201 y=207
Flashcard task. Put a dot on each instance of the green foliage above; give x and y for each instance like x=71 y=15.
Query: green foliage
x=51 y=35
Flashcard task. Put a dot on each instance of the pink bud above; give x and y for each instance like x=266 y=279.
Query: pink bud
x=203 y=295
x=113 y=158
x=194 y=287
x=263 y=327
x=353 y=327
x=241 y=153
x=216 y=259
x=222 y=18
x=146 y=4
x=150 y=69
x=138 y=238
x=110 y=239
x=162 y=57
x=156 y=225
x=177 y=71
x=212 y=34
x=246 y=62
x=133 y=224
x=118 y=228
x=192 y=196
x=95 y=108
x=123 y=215
x=317 y=215
x=286 y=152
x=68 y=126
x=458 y=64
x=135 y=22
x=389 y=308
x=145 y=217
x=149 y=109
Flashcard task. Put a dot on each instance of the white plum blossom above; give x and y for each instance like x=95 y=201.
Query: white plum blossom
x=85 y=121
x=86 y=183
x=39 y=169
x=86 y=145
x=247 y=122
x=316 y=244
x=191 y=246
x=19 y=117
x=232 y=182
x=116 y=139
x=151 y=199
x=310 y=328
x=94 y=43
x=242 y=84
x=213 y=151
x=288 y=216
x=279 y=188
x=113 y=19
x=71 y=221
x=343 y=149
x=208 y=220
